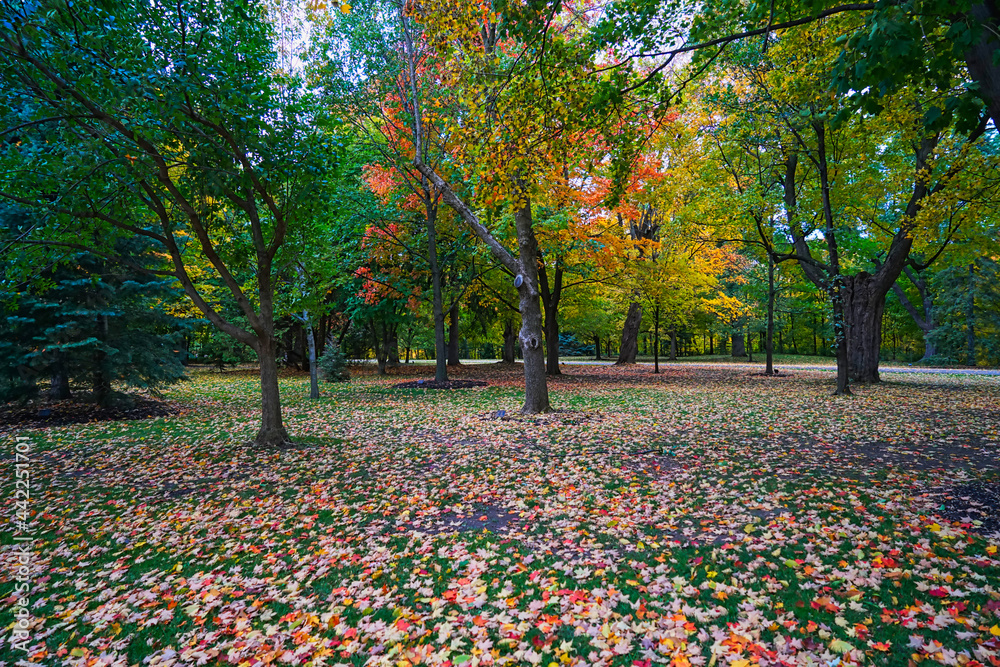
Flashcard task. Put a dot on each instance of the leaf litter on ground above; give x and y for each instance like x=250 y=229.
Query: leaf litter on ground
x=698 y=517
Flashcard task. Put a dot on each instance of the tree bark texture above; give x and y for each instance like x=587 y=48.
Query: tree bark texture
x=550 y=303
x=509 y=342
x=536 y=391
x=453 y=320
x=739 y=347
x=440 y=356
x=630 y=335
x=272 y=431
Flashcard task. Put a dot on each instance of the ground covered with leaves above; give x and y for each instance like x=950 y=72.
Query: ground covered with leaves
x=705 y=516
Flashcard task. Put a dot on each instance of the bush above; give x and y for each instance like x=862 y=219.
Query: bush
x=332 y=365
x=570 y=346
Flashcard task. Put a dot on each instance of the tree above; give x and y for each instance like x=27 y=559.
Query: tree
x=86 y=320
x=169 y=124
x=877 y=185
x=507 y=146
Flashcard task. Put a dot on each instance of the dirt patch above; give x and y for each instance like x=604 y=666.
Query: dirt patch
x=447 y=384
x=474 y=519
x=63 y=413
x=976 y=506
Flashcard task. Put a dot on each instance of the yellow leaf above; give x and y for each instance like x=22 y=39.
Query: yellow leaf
x=840 y=646
x=995 y=631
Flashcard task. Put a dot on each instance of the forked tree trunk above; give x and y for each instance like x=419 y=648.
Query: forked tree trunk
x=453 y=317
x=272 y=431
x=924 y=319
x=509 y=342
x=863 y=306
x=630 y=335
x=536 y=391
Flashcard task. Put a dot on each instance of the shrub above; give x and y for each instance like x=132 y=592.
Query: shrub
x=332 y=365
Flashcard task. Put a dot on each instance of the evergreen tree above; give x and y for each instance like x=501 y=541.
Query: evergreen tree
x=86 y=321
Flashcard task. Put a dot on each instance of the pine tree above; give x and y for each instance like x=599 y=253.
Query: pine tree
x=88 y=322
x=333 y=365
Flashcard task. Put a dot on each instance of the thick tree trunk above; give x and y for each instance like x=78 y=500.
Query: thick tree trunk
x=440 y=356
x=863 y=305
x=272 y=431
x=739 y=347
x=536 y=391
x=453 y=320
x=597 y=348
x=313 y=370
x=630 y=335
x=673 y=344
x=509 y=342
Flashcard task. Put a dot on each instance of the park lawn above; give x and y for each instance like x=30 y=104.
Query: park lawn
x=706 y=516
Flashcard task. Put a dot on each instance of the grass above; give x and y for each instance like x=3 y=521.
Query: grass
x=704 y=516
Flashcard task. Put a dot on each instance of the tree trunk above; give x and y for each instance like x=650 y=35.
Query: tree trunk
x=970 y=318
x=597 y=348
x=536 y=391
x=739 y=348
x=272 y=431
x=630 y=335
x=509 y=342
x=392 y=348
x=378 y=346
x=311 y=344
x=102 y=383
x=59 y=380
x=550 y=304
x=551 y=341
x=673 y=344
x=302 y=348
x=769 y=342
x=440 y=355
x=453 y=318
x=925 y=320
x=863 y=305
x=711 y=343
x=981 y=58
x=656 y=339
